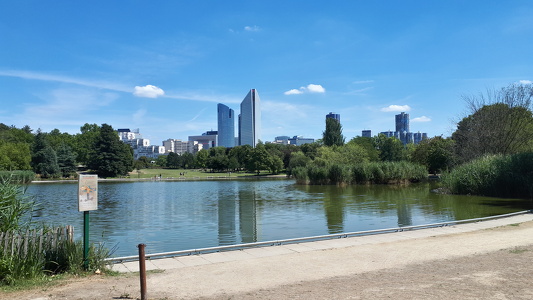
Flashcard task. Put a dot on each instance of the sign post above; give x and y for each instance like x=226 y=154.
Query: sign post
x=87 y=201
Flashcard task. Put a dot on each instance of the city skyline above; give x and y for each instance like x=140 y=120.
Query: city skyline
x=66 y=64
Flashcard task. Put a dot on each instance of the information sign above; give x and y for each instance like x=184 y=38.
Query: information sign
x=88 y=192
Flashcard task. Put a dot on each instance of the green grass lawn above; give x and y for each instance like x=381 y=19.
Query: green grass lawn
x=175 y=173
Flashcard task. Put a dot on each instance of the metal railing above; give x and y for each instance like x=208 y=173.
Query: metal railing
x=308 y=239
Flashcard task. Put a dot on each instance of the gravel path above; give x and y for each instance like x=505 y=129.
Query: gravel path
x=484 y=264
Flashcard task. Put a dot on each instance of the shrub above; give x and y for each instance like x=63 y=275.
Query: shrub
x=493 y=175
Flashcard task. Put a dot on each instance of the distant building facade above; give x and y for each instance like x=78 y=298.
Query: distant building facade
x=226 y=126
x=250 y=119
x=334 y=116
x=295 y=140
x=402 y=131
x=207 y=140
x=366 y=133
x=140 y=146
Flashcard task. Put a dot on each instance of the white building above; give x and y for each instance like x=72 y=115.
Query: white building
x=141 y=147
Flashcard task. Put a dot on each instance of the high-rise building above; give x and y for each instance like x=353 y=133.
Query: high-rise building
x=402 y=122
x=334 y=116
x=226 y=126
x=250 y=119
x=367 y=133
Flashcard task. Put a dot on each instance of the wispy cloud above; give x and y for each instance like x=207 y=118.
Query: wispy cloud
x=65 y=79
x=421 y=119
x=396 y=108
x=148 y=91
x=252 y=28
x=310 y=88
x=525 y=82
x=363 y=81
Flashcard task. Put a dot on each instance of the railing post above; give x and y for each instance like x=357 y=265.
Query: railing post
x=142 y=271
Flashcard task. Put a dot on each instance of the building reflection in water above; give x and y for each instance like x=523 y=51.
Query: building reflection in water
x=231 y=211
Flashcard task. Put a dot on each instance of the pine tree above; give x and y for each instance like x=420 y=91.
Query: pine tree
x=110 y=157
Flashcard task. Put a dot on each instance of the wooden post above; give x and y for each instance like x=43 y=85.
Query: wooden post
x=142 y=271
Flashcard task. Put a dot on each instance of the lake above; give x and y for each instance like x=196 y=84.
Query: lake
x=180 y=215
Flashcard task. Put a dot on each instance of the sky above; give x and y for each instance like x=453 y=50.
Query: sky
x=162 y=66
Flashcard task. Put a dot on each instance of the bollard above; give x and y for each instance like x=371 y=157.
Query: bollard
x=142 y=271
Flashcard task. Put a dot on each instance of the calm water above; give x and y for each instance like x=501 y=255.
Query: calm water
x=170 y=216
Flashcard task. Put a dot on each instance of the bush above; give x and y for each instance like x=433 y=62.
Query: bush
x=494 y=175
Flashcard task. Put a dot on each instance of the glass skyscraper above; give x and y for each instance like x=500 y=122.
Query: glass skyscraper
x=226 y=126
x=334 y=116
x=402 y=122
x=250 y=120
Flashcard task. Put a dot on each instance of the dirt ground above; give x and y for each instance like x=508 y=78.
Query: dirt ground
x=485 y=264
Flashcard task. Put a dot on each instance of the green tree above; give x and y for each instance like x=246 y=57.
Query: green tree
x=368 y=145
x=173 y=160
x=66 y=160
x=259 y=159
x=84 y=142
x=14 y=156
x=390 y=148
x=44 y=158
x=333 y=133
x=110 y=157
x=500 y=122
x=436 y=153
x=240 y=154
x=201 y=158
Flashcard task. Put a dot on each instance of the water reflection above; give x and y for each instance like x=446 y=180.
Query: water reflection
x=170 y=216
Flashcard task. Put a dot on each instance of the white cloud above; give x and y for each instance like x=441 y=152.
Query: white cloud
x=397 y=108
x=316 y=88
x=148 y=91
x=421 y=119
x=526 y=82
x=363 y=81
x=311 y=88
x=252 y=28
x=293 y=92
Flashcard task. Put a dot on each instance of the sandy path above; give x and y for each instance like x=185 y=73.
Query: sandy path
x=485 y=264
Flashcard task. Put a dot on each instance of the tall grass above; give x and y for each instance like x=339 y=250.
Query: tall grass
x=36 y=261
x=362 y=173
x=17 y=177
x=509 y=176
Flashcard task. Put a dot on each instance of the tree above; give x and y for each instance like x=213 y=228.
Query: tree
x=173 y=160
x=259 y=159
x=368 y=145
x=200 y=159
x=437 y=154
x=110 y=157
x=44 y=158
x=66 y=160
x=85 y=141
x=333 y=133
x=500 y=122
x=390 y=148
x=14 y=156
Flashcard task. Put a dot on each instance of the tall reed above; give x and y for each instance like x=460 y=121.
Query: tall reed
x=509 y=176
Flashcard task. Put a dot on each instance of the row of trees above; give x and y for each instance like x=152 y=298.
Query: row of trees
x=56 y=154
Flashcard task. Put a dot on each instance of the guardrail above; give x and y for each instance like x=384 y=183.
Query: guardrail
x=307 y=239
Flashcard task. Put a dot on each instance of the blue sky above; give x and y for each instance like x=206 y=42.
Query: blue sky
x=162 y=66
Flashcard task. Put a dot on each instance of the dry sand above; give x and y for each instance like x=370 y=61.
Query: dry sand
x=485 y=264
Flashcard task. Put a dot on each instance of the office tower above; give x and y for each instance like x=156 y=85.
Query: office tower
x=402 y=122
x=334 y=116
x=367 y=133
x=226 y=126
x=250 y=120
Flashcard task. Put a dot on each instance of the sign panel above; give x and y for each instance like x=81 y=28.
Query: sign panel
x=87 y=192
